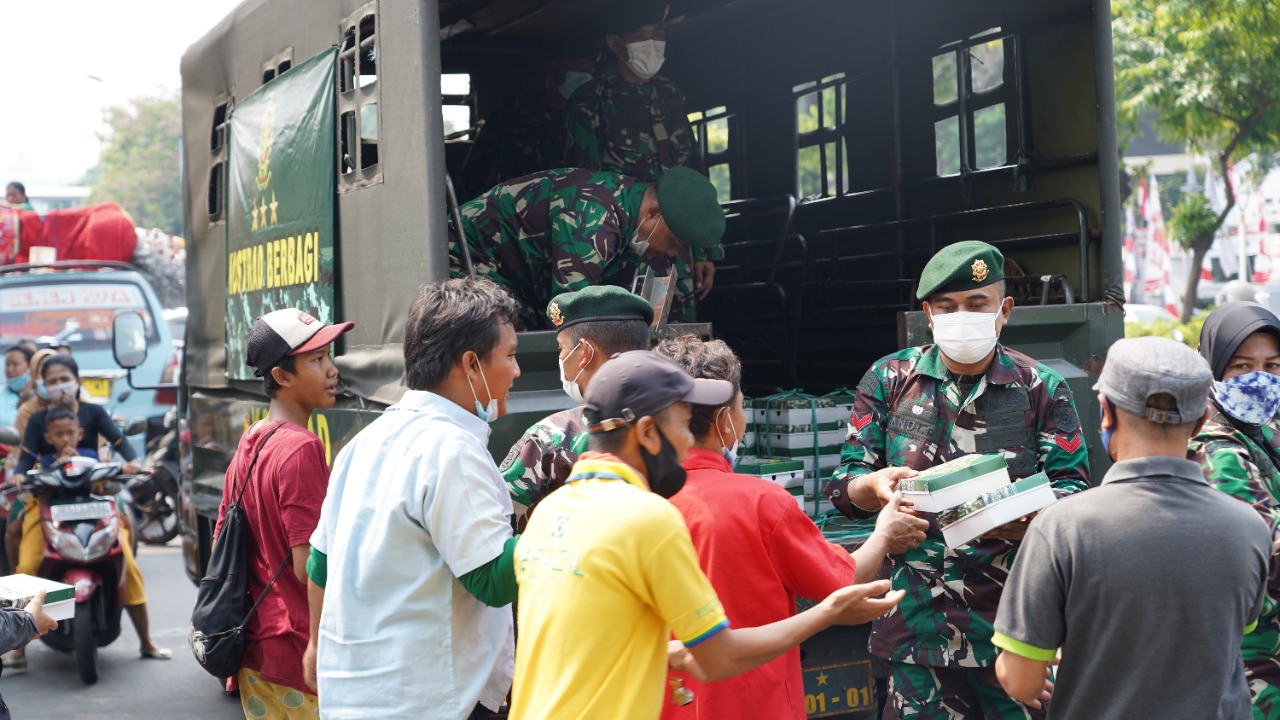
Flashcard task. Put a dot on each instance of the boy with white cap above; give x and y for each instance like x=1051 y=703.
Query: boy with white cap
x=280 y=474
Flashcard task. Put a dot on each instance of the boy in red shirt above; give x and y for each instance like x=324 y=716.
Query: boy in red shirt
x=757 y=547
x=289 y=350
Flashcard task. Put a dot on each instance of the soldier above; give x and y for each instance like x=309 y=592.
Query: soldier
x=526 y=133
x=921 y=407
x=632 y=121
x=1239 y=451
x=592 y=325
x=559 y=230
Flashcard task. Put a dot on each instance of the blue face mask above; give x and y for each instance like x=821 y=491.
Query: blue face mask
x=17 y=384
x=1253 y=399
x=487 y=413
x=44 y=394
x=1106 y=434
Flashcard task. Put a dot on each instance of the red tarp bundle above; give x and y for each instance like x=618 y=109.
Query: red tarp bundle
x=97 y=232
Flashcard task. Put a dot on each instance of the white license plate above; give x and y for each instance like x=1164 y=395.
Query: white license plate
x=81 y=511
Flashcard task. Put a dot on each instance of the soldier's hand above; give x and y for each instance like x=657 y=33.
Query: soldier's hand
x=883 y=484
x=857 y=604
x=44 y=623
x=704 y=276
x=1015 y=530
x=901 y=531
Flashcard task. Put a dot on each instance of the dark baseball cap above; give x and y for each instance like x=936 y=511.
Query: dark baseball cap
x=634 y=384
x=286 y=332
x=1140 y=367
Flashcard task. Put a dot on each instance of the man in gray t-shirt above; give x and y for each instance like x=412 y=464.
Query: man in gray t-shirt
x=1147 y=582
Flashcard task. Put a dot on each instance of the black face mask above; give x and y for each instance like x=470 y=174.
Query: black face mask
x=666 y=476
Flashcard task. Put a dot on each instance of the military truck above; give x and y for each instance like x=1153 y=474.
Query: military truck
x=848 y=142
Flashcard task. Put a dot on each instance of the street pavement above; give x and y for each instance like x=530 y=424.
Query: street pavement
x=128 y=686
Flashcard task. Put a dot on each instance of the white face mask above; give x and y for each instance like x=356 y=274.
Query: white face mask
x=63 y=394
x=489 y=412
x=645 y=58
x=965 y=337
x=642 y=246
x=571 y=386
x=730 y=452
x=572 y=81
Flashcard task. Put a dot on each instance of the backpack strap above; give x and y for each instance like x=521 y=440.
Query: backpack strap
x=280 y=570
x=253 y=462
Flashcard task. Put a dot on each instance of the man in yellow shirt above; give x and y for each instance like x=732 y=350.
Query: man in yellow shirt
x=607 y=570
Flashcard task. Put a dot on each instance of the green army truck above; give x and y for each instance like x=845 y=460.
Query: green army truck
x=848 y=141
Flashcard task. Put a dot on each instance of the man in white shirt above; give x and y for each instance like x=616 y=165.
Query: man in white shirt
x=416 y=529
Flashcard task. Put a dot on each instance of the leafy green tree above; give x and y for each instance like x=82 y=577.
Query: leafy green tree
x=1210 y=69
x=140 y=166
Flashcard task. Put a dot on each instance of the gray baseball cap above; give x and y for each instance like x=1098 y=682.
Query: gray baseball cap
x=1140 y=367
x=634 y=384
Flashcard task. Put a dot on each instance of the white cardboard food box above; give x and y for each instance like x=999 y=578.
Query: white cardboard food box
x=59 y=602
x=947 y=485
x=961 y=524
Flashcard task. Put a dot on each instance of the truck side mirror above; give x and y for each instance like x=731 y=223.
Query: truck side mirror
x=129 y=340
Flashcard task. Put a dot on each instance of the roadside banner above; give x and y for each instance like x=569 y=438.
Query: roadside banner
x=280 y=202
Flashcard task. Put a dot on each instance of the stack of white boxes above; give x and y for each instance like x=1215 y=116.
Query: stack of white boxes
x=798 y=438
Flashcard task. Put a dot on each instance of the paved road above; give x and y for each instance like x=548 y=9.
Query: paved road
x=129 y=687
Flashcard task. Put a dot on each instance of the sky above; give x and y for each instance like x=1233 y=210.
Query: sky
x=51 y=114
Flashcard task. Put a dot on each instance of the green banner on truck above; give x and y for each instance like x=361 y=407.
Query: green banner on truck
x=280 y=209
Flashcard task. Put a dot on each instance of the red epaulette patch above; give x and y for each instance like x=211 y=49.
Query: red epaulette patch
x=1071 y=445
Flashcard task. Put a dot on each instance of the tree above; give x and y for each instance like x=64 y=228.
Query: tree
x=140 y=165
x=1210 y=69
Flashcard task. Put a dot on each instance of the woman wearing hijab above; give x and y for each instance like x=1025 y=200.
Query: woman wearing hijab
x=1239 y=452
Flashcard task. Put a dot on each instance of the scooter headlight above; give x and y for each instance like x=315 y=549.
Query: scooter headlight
x=102 y=539
x=66 y=543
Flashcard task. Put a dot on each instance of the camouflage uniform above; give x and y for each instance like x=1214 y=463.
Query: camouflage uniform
x=1239 y=466
x=909 y=412
x=551 y=232
x=522 y=135
x=638 y=130
x=541 y=459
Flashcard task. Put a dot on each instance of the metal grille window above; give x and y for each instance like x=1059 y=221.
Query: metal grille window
x=714 y=131
x=359 y=144
x=217 y=161
x=822 y=161
x=970 y=97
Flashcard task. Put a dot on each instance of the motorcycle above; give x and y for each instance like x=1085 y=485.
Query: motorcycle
x=79 y=517
x=153 y=494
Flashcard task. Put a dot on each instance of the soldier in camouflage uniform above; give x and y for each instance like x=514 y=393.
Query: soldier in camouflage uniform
x=592 y=325
x=1241 y=457
x=526 y=133
x=560 y=230
x=919 y=408
x=631 y=121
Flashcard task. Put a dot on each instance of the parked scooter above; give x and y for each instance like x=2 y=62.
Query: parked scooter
x=79 y=516
x=153 y=494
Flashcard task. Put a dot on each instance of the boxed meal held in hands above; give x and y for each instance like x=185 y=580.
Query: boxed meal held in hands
x=59 y=600
x=955 y=481
x=979 y=515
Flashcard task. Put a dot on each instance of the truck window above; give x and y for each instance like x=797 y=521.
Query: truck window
x=714 y=129
x=970 y=95
x=359 y=91
x=277 y=65
x=822 y=162
x=217 y=162
x=456 y=105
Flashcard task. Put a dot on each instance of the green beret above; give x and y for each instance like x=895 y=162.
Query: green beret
x=631 y=15
x=963 y=266
x=596 y=303
x=690 y=207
